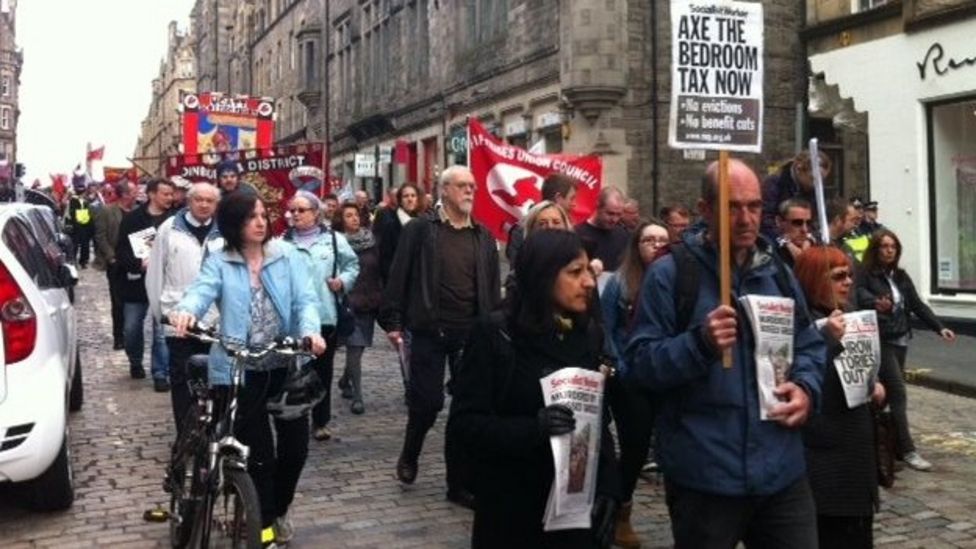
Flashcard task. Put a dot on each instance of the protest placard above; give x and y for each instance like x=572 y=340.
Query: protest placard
x=716 y=75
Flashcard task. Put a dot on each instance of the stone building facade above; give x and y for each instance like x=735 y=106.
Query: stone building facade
x=903 y=71
x=161 y=130
x=11 y=61
x=582 y=76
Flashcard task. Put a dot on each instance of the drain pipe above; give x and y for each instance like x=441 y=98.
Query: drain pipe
x=654 y=112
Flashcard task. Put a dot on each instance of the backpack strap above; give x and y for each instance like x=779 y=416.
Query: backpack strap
x=687 y=284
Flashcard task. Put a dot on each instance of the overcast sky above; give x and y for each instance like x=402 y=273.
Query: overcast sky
x=87 y=76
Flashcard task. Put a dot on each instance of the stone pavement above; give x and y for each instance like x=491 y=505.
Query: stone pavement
x=347 y=496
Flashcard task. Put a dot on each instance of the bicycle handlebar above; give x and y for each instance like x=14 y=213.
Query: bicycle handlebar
x=239 y=349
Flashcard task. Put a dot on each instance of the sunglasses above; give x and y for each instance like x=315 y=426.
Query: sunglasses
x=299 y=210
x=841 y=276
x=800 y=222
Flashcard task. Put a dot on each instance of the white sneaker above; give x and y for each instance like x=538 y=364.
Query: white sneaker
x=917 y=462
x=284 y=531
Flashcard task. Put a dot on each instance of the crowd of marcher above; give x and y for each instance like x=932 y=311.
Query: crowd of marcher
x=634 y=297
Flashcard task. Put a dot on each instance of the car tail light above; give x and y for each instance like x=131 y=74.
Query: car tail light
x=17 y=318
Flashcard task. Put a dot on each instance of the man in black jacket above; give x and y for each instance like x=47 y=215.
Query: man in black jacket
x=444 y=277
x=132 y=256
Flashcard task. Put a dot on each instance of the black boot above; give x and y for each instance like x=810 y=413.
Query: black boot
x=413 y=443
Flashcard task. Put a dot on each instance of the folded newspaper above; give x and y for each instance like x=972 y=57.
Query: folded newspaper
x=575 y=454
x=141 y=242
x=771 y=318
x=857 y=367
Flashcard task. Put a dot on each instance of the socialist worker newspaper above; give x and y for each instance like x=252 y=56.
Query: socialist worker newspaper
x=857 y=367
x=575 y=454
x=771 y=318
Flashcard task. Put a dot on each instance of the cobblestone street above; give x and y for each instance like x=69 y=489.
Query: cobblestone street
x=348 y=497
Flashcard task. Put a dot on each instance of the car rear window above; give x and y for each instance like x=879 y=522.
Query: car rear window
x=19 y=239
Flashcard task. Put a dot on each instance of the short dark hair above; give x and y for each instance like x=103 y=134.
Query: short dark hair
x=339 y=221
x=543 y=255
x=790 y=203
x=330 y=196
x=233 y=213
x=666 y=212
x=837 y=207
x=153 y=184
x=557 y=184
x=122 y=188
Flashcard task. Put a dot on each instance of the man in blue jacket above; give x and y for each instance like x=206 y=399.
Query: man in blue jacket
x=729 y=476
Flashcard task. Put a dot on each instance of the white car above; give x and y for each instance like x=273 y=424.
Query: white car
x=40 y=374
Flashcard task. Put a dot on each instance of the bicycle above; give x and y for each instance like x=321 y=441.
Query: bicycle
x=208 y=465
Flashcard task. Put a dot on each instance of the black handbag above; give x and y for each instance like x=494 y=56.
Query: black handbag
x=345 y=318
x=884 y=441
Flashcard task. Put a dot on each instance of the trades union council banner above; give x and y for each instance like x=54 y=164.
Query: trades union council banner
x=510 y=179
x=275 y=173
x=716 y=75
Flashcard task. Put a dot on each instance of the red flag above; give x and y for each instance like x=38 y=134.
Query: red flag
x=509 y=180
x=96 y=154
x=58 y=185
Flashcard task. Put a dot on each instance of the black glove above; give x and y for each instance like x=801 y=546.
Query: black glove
x=556 y=419
x=603 y=519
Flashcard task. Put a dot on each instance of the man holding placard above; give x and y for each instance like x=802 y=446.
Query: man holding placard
x=730 y=476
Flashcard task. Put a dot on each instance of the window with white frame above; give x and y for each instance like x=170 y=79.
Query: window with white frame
x=5 y=85
x=5 y=121
x=952 y=131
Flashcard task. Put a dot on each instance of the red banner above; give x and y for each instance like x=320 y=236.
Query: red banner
x=213 y=122
x=510 y=178
x=269 y=171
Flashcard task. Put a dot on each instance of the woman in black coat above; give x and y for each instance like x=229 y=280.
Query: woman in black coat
x=498 y=411
x=886 y=288
x=389 y=223
x=839 y=440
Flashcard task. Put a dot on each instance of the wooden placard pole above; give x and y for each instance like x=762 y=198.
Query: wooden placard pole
x=725 y=244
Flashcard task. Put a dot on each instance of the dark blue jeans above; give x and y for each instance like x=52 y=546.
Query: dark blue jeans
x=699 y=520
x=134 y=314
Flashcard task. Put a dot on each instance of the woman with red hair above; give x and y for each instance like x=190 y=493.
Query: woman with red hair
x=839 y=440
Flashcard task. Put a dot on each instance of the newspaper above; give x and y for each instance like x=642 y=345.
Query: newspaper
x=575 y=455
x=141 y=242
x=857 y=367
x=771 y=318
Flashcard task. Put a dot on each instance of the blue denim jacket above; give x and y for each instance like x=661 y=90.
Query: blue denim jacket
x=224 y=279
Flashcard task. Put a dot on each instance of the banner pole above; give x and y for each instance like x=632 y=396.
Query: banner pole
x=819 y=191
x=725 y=245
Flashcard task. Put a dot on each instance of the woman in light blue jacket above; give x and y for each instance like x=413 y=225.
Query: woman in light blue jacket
x=263 y=291
x=333 y=266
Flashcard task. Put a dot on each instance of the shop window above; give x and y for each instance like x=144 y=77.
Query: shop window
x=952 y=195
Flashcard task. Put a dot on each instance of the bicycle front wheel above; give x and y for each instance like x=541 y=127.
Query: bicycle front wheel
x=232 y=519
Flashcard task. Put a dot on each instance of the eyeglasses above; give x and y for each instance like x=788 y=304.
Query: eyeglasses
x=841 y=275
x=465 y=185
x=659 y=241
x=800 y=222
x=299 y=210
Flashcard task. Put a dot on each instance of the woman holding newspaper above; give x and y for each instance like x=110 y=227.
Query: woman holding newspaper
x=840 y=440
x=499 y=412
